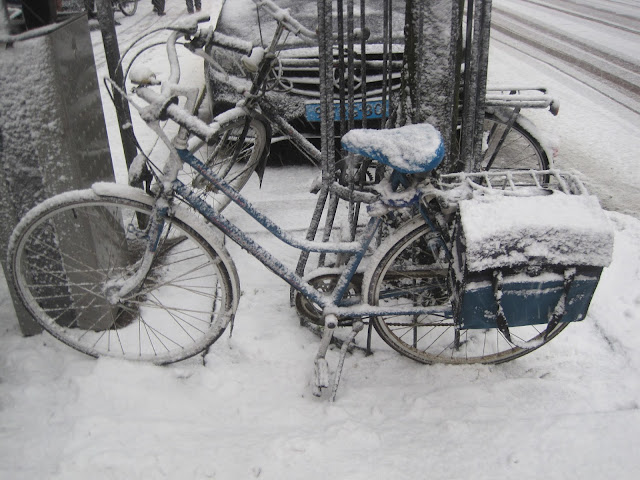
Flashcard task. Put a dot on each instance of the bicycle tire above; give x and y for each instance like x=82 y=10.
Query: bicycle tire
x=128 y=7
x=520 y=151
x=219 y=157
x=66 y=253
x=408 y=274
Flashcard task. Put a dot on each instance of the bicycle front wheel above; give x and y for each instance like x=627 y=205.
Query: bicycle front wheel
x=128 y=7
x=412 y=272
x=69 y=257
x=233 y=158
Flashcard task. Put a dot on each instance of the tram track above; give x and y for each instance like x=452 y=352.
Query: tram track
x=613 y=74
x=592 y=13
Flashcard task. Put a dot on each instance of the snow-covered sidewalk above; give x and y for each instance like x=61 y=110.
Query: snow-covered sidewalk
x=569 y=410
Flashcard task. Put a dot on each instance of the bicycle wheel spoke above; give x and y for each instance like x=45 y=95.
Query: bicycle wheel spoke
x=70 y=280
x=404 y=278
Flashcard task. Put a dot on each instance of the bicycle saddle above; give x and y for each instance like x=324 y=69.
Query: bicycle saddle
x=409 y=149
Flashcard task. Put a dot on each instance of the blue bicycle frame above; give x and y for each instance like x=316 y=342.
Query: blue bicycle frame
x=335 y=303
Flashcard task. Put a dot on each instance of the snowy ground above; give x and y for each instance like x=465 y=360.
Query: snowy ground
x=569 y=410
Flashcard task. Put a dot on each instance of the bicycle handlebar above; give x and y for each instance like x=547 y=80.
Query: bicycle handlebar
x=284 y=17
x=161 y=107
x=164 y=104
x=179 y=29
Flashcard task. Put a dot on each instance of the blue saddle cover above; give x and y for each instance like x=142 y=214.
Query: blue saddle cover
x=409 y=149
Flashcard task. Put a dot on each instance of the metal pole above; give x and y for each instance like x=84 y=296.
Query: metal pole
x=476 y=65
x=327 y=115
x=429 y=76
x=112 y=53
x=4 y=19
x=327 y=142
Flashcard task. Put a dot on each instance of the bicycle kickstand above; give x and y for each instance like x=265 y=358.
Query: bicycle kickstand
x=321 y=379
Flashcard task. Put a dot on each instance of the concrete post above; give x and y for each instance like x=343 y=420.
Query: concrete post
x=430 y=83
x=52 y=132
x=432 y=76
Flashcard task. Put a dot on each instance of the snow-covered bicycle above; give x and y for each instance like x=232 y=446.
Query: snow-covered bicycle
x=113 y=271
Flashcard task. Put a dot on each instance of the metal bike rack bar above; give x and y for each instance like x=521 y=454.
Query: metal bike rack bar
x=342 y=72
x=434 y=59
x=475 y=81
x=327 y=145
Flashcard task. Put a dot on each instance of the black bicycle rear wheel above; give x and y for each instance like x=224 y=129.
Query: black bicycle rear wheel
x=519 y=149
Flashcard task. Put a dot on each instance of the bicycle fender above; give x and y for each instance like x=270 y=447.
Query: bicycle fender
x=262 y=164
x=237 y=115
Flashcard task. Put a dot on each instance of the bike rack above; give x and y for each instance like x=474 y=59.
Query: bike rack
x=463 y=155
x=460 y=119
x=350 y=30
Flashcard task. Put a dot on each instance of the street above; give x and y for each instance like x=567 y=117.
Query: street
x=588 y=55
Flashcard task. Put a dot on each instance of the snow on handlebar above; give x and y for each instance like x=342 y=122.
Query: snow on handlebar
x=183 y=27
x=188 y=25
x=161 y=107
x=232 y=43
x=284 y=17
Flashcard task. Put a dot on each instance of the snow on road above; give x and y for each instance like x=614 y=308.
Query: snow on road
x=593 y=133
x=569 y=410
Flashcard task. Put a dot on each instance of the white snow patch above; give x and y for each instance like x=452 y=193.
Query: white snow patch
x=554 y=229
x=408 y=149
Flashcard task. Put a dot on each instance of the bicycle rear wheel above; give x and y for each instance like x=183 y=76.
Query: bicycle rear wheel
x=412 y=272
x=233 y=158
x=69 y=256
x=128 y=7
x=520 y=150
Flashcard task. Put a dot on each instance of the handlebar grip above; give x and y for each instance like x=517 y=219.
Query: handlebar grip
x=284 y=17
x=143 y=75
x=163 y=107
x=188 y=25
x=252 y=63
x=232 y=43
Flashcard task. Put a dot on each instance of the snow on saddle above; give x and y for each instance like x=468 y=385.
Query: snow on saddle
x=409 y=149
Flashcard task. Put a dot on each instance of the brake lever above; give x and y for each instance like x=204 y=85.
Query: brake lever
x=199 y=40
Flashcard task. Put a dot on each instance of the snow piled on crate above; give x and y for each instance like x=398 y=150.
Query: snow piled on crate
x=555 y=229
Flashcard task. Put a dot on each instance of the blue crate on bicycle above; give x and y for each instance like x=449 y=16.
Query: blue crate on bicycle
x=527 y=260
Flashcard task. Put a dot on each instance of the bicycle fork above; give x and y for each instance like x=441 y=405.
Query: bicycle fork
x=119 y=289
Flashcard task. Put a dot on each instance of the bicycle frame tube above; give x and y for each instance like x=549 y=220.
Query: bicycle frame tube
x=357 y=249
x=299 y=140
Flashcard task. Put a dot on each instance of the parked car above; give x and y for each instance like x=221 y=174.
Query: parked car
x=506 y=144
x=298 y=99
